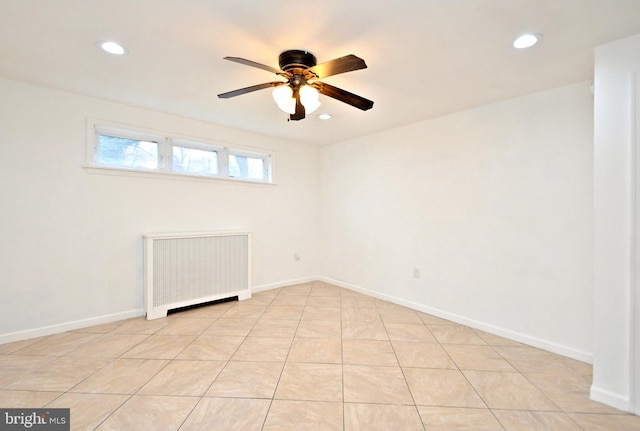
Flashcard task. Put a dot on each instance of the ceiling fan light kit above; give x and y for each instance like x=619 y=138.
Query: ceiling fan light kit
x=299 y=94
x=309 y=98
x=283 y=96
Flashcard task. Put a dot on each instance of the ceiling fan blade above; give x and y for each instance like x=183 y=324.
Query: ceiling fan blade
x=300 y=111
x=343 y=96
x=246 y=90
x=339 y=65
x=254 y=64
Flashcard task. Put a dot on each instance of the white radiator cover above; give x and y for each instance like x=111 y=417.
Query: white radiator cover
x=183 y=269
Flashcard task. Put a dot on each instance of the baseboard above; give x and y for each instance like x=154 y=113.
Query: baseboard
x=100 y=320
x=492 y=329
x=68 y=326
x=506 y=333
x=285 y=283
x=609 y=398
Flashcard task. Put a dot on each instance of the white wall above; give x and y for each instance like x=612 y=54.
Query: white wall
x=492 y=205
x=617 y=221
x=71 y=246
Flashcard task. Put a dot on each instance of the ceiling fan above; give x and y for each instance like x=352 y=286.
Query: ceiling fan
x=298 y=95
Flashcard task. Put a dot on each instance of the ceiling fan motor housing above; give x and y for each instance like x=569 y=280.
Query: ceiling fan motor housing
x=296 y=59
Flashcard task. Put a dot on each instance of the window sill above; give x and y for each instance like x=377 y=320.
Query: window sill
x=108 y=170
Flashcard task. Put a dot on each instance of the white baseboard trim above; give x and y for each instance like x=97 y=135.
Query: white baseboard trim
x=285 y=283
x=79 y=324
x=506 y=333
x=495 y=330
x=68 y=326
x=609 y=398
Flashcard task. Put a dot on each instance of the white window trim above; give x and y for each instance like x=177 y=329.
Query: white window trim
x=166 y=141
x=252 y=154
x=97 y=130
x=183 y=143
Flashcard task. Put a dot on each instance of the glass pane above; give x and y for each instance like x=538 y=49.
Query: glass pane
x=246 y=167
x=127 y=153
x=194 y=161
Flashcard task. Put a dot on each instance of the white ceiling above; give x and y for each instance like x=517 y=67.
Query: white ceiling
x=426 y=58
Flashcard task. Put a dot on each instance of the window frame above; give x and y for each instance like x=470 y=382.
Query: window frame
x=126 y=134
x=184 y=143
x=253 y=155
x=166 y=142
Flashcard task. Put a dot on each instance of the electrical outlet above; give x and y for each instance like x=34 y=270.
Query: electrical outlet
x=416 y=272
x=296 y=256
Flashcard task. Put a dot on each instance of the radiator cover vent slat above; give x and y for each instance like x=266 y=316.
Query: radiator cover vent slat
x=187 y=269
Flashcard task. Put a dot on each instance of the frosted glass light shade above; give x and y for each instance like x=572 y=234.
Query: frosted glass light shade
x=309 y=98
x=283 y=96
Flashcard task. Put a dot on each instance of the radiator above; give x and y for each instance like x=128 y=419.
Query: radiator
x=184 y=269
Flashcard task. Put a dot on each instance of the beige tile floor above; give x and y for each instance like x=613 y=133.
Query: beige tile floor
x=305 y=357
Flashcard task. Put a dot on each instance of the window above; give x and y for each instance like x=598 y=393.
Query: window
x=126 y=153
x=194 y=161
x=123 y=149
x=247 y=167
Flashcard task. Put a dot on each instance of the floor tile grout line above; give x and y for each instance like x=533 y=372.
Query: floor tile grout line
x=440 y=344
x=111 y=360
x=113 y=412
x=284 y=365
x=465 y=377
x=234 y=352
x=474 y=388
x=404 y=376
x=48 y=337
x=186 y=417
x=264 y=421
x=169 y=361
x=516 y=371
x=560 y=409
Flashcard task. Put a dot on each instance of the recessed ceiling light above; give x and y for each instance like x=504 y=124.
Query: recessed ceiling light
x=112 y=47
x=324 y=116
x=527 y=40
